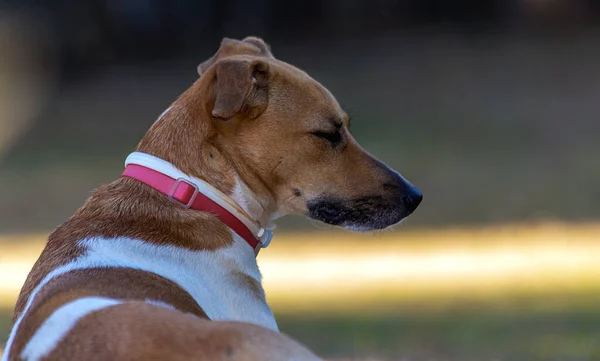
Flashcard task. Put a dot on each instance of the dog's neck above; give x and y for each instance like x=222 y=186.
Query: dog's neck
x=184 y=136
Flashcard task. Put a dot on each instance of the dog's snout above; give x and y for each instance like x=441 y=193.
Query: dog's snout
x=412 y=199
x=391 y=187
x=408 y=195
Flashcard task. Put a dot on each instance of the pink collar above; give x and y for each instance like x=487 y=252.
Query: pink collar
x=192 y=193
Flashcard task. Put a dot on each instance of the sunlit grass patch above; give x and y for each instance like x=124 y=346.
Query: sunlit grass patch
x=498 y=293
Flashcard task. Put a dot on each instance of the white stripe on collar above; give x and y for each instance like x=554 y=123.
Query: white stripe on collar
x=166 y=168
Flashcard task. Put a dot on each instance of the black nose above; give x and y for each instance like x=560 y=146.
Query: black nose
x=405 y=193
x=412 y=199
x=405 y=196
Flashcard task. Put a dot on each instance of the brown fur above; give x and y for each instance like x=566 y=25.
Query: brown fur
x=130 y=209
x=266 y=140
x=139 y=331
x=248 y=116
x=103 y=282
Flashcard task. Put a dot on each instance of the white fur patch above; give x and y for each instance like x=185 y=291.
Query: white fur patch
x=238 y=196
x=163 y=114
x=210 y=277
x=248 y=201
x=62 y=320
x=159 y=303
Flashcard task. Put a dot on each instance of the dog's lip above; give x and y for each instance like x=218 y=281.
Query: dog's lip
x=367 y=213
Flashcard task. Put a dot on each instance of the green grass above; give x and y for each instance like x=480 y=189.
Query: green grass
x=455 y=334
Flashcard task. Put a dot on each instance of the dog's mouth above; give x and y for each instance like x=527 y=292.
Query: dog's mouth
x=362 y=214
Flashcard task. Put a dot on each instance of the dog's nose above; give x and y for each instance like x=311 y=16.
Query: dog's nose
x=412 y=199
x=405 y=193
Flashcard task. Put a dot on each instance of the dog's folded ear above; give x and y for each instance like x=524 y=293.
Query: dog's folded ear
x=240 y=85
x=251 y=45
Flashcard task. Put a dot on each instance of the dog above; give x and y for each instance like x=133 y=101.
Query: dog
x=161 y=263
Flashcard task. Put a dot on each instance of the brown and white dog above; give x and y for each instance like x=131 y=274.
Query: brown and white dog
x=135 y=274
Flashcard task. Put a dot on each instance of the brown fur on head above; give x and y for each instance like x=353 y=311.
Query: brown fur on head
x=251 y=45
x=268 y=123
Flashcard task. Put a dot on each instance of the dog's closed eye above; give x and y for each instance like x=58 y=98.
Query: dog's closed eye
x=335 y=137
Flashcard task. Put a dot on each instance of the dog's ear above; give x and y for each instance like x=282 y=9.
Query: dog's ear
x=240 y=85
x=230 y=47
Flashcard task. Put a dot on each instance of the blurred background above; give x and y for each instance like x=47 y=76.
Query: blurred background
x=490 y=107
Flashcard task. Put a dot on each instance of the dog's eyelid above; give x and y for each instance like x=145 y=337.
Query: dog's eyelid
x=326 y=132
x=334 y=137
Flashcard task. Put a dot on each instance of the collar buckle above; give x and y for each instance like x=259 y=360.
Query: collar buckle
x=265 y=236
x=264 y=239
x=183 y=197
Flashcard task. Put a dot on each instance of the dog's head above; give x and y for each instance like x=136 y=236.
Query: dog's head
x=289 y=141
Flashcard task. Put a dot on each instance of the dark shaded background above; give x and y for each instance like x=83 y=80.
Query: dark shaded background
x=491 y=107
